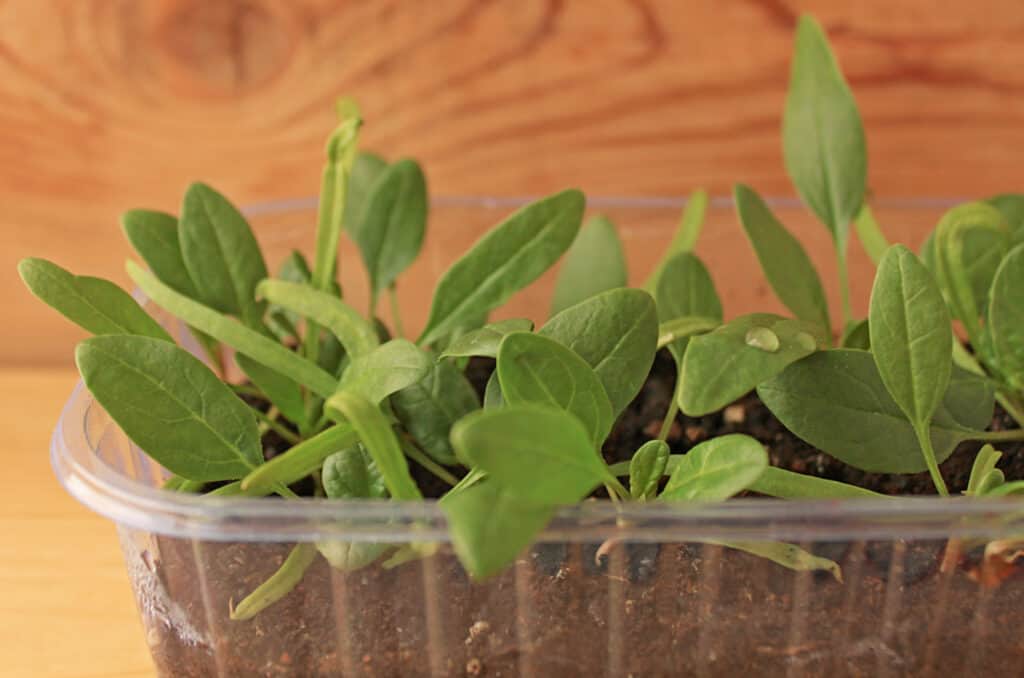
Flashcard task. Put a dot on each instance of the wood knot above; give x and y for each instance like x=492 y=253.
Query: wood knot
x=227 y=46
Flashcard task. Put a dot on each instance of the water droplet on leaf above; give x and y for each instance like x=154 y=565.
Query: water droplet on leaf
x=762 y=338
x=806 y=341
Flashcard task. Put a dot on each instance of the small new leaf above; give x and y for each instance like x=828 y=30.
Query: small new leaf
x=387 y=369
x=428 y=408
x=716 y=469
x=646 y=468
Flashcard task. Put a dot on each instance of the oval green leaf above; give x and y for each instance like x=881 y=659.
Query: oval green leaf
x=510 y=257
x=822 y=134
x=911 y=334
x=541 y=455
x=537 y=370
x=685 y=239
x=390 y=230
x=716 y=469
x=428 y=408
x=593 y=264
x=646 y=468
x=616 y=332
x=366 y=169
x=786 y=265
x=727 y=363
x=385 y=370
x=98 y=306
x=836 y=401
x=1006 y=318
x=172 y=406
x=221 y=254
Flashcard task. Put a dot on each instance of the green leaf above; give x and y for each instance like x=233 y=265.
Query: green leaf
x=616 y=332
x=822 y=135
x=857 y=335
x=539 y=454
x=1006 y=318
x=221 y=254
x=490 y=526
x=716 y=469
x=301 y=460
x=366 y=169
x=912 y=342
x=789 y=270
x=836 y=401
x=970 y=241
x=984 y=464
x=376 y=435
x=1012 y=207
x=387 y=369
x=484 y=341
x=390 y=230
x=234 y=334
x=684 y=328
x=538 y=370
x=725 y=364
x=99 y=306
x=777 y=482
x=870 y=234
x=352 y=330
x=787 y=555
x=505 y=260
x=646 y=468
x=492 y=393
x=154 y=235
x=593 y=264
x=685 y=288
x=352 y=474
x=428 y=408
x=172 y=406
x=334 y=182
x=685 y=239
x=283 y=392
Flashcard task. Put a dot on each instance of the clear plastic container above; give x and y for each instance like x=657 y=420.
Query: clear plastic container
x=667 y=600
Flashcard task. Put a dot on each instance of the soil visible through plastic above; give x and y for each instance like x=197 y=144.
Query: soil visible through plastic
x=640 y=610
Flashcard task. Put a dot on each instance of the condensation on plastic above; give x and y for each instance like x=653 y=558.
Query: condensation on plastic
x=666 y=599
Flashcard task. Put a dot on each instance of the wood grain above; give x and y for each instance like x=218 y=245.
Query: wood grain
x=66 y=609
x=112 y=104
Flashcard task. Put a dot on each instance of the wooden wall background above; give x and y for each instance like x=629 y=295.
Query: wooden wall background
x=110 y=104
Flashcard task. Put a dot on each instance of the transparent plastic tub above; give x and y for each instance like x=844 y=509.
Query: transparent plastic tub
x=667 y=600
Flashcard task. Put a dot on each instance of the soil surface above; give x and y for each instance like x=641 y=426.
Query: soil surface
x=673 y=609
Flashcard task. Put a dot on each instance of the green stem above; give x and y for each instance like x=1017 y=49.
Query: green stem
x=844 y=285
x=396 y=316
x=616 y=490
x=1012 y=435
x=418 y=456
x=275 y=426
x=279 y=584
x=301 y=460
x=924 y=439
x=673 y=410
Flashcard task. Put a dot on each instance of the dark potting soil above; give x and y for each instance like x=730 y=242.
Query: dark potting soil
x=640 y=610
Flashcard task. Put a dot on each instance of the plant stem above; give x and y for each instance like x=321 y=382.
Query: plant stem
x=418 y=456
x=925 y=441
x=673 y=409
x=396 y=315
x=616 y=490
x=300 y=460
x=844 y=284
x=1012 y=435
x=279 y=585
x=276 y=427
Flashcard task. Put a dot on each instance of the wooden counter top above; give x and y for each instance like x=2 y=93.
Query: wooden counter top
x=66 y=608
